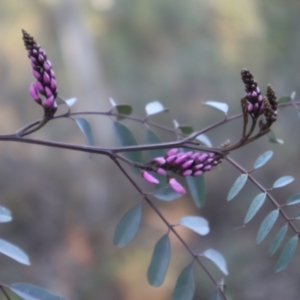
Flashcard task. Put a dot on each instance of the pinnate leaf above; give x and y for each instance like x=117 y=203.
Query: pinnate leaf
x=185 y=285
x=159 y=262
x=217 y=105
x=166 y=194
x=197 y=189
x=287 y=254
x=5 y=215
x=263 y=159
x=256 y=204
x=278 y=239
x=125 y=138
x=295 y=199
x=31 y=292
x=283 y=181
x=85 y=128
x=266 y=225
x=217 y=258
x=237 y=186
x=195 y=223
x=128 y=227
x=14 y=252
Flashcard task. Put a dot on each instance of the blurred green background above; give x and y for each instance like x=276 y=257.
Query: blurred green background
x=66 y=205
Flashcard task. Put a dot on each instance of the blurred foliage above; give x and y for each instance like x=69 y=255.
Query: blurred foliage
x=66 y=205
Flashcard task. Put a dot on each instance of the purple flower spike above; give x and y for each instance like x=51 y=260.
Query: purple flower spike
x=172 y=151
x=176 y=186
x=148 y=177
x=45 y=85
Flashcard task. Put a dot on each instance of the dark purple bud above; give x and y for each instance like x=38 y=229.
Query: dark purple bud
x=250 y=107
x=189 y=153
x=34 y=51
x=41 y=58
x=254 y=94
x=46 y=77
x=210 y=160
x=48 y=92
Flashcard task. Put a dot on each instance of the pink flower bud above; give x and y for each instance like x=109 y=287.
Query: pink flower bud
x=179 y=160
x=41 y=57
x=172 y=151
x=187 y=172
x=250 y=107
x=53 y=84
x=148 y=177
x=187 y=164
x=198 y=167
x=207 y=168
x=48 y=92
x=49 y=101
x=197 y=173
x=171 y=158
x=188 y=154
x=161 y=171
x=33 y=92
x=36 y=74
x=46 y=77
x=195 y=155
x=176 y=186
x=202 y=157
x=159 y=160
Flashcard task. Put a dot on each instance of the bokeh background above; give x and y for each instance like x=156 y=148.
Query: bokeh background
x=66 y=205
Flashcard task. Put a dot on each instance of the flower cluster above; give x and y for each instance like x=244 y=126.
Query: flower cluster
x=255 y=103
x=182 y=163
x=271 y=106
x=45 y=85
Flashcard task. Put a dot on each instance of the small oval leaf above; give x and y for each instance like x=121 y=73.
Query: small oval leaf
x=124 y=109
x=166 y=194
x=186 y=129
x=185 y=285
x=154 y=108
x=71 y=101
x=283 y=181
x=197 y=189
x=295 y=199
x=197 y=224
x=266 y=225
x=256 y=204
x=217 y=258
x=203 y=139
x=273 y=139
x=14 y=252
x=128 y=226
x=237 y=186
x=85 y=128
x=5 y=215
x=278 y=239
x=31 y=292
x=125 y=138
x=263 y=159
x=284 y=99
x=217 y=105
x=159 y=262
x=287 y=254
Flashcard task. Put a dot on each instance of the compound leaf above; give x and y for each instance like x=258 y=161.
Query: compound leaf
x=185 y=285
x=197 y=189
x=128 y=226
x=159 y=262
x=237 y=186
x=283 y=181
x=217 y=258
x=14 y=252
x=31 y=292
x=256 y=204
x=125 y=138
x=85 y=128
x=278 y=239
x=287 y=254
x=263 y=159
x=266 y=225
x=195 y=223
